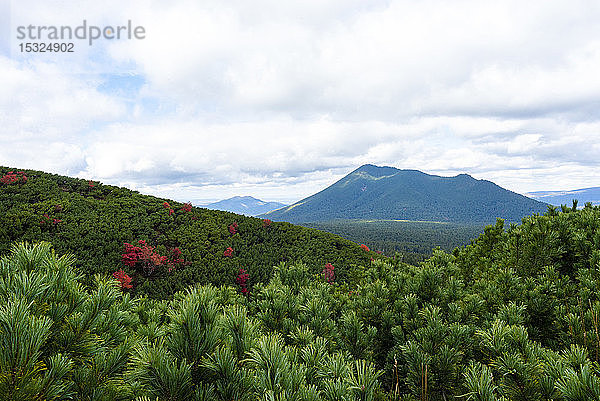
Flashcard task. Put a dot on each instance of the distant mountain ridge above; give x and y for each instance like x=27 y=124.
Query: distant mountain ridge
x=372 y=192
x=558 y=198
x=246 y=205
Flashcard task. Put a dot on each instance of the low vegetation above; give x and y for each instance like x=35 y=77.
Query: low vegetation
x=414 y=241
x=512 y=316
x=177 y=244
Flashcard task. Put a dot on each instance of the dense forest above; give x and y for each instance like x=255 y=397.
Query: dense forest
x=413 y=241
x=162 y=245
x=514 y=315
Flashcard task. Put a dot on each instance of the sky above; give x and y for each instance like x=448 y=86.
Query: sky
x=279 y=99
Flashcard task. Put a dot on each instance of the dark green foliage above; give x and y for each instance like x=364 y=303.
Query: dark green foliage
x=373 y=193
x=413 y=240
x=514 y=315
x=58 y=341
x=96 y=220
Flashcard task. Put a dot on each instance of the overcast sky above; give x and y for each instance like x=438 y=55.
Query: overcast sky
x=278 y=99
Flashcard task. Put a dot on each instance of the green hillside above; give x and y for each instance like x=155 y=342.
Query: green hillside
x=387 y=193
x=184 y=244
x=512 y=316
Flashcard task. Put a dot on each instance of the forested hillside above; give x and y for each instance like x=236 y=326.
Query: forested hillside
x=102 y=226
x=413 y=240
x=372 y=192
x=512 y=316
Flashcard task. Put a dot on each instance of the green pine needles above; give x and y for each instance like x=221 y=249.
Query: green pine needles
x=512 y=316
x=60 y=340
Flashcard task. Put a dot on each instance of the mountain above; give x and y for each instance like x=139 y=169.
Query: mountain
x=245 y=205
x=372 y=192
x=558 y=198
x=102 y=226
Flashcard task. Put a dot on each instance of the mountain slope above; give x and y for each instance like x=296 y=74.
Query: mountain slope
x=93 y=221
x=246 y=205
x=372 y=192
x=558 y=198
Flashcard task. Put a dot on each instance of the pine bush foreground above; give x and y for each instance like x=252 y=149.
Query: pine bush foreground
x=513 y=316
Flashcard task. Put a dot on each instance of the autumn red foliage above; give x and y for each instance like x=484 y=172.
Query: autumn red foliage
x=266 y=223
x=123 y=278
x=233 y=228
x=228 y=252
x=187 y=207
x=242 y=280
x=148 y=259
x=328 y=273
x=364 y=247
x=14 y=178
x=144 y=254
x=167 y=206
x=175 y=261
x=46 y=220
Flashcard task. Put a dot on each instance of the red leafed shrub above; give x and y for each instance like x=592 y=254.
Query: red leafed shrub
x=46 y=220
x=187 y=207
x=151 y=257
x=142 y=255
x=131 y=255
x=228 y=252
x=148 y=259
x=123 y=278
x=364 y=247
x=176 y=253
x=13 y=178
x=233 y=228
x=167 y=206
x=266 y=223
x=176 y=260
x=91 y=184
x=328 y=272
x=242 y=280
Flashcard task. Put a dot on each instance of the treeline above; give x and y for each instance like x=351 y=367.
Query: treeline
x=94 y=222
x=413 y=240
x=512 y=316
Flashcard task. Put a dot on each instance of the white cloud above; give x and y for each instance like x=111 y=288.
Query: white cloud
x=39 y=101
x=285 y=97
x=44 y=113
